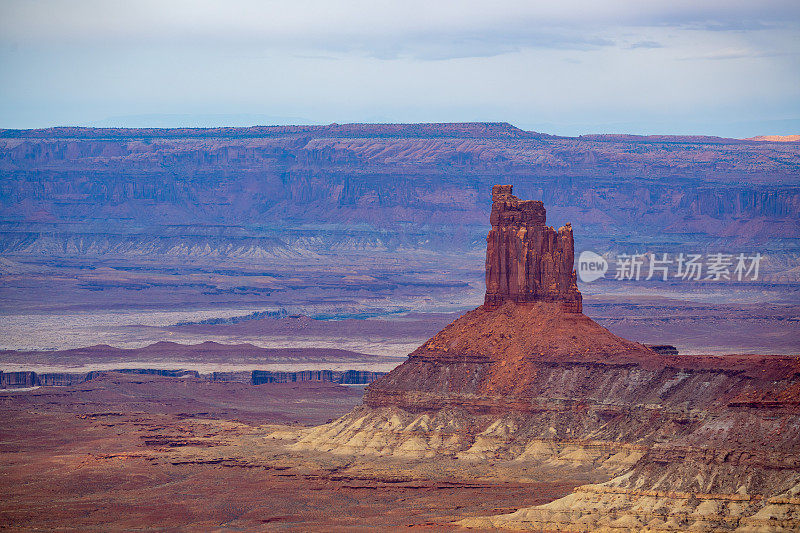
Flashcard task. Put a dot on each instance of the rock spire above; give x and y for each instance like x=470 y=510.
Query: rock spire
x=526 y=260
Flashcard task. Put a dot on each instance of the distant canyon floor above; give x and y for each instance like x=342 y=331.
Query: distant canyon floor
x=139 y=451
x=375 y=303
x=124 y=452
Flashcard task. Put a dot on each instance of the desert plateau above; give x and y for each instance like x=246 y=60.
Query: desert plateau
x=343 y=266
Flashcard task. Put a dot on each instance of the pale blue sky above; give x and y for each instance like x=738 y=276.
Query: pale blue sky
x=723 y=67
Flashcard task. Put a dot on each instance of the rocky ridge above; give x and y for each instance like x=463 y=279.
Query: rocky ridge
x=701 y=442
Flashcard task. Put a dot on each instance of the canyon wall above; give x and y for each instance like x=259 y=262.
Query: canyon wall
x=232 y=190
x=25 y=379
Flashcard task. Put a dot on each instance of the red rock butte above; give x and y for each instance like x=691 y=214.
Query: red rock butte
x=532 y=314
x=706 y=443
x=526 y=260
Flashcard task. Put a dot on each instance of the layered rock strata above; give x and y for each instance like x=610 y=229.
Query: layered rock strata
x=27 y=378
x=683 y=442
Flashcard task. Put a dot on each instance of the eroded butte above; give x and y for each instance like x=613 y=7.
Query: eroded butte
x=680 y=442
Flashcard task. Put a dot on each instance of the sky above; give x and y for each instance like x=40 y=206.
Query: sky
x=713 y=67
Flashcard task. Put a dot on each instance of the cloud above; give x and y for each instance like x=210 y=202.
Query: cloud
x=384 y=29
x=732 y=53
x=488 y=43
x=733 y=25
x=645 y=44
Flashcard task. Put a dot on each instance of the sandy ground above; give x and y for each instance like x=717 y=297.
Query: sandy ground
x=139 y=452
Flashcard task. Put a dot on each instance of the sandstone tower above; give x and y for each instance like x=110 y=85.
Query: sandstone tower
x=526 y=260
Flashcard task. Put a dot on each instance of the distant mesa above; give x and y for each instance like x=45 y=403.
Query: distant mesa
x=29 y=378
x=776 y=138
x=193 y=355
x=482 y=130
x=419 y=186
x=665 y=349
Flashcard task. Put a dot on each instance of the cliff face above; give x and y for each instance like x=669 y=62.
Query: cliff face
x=421 y=185
x=527 y=261
x=24 y=379
x=683 y=441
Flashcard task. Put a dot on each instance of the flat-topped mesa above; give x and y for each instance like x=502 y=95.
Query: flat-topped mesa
x=526 y=260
